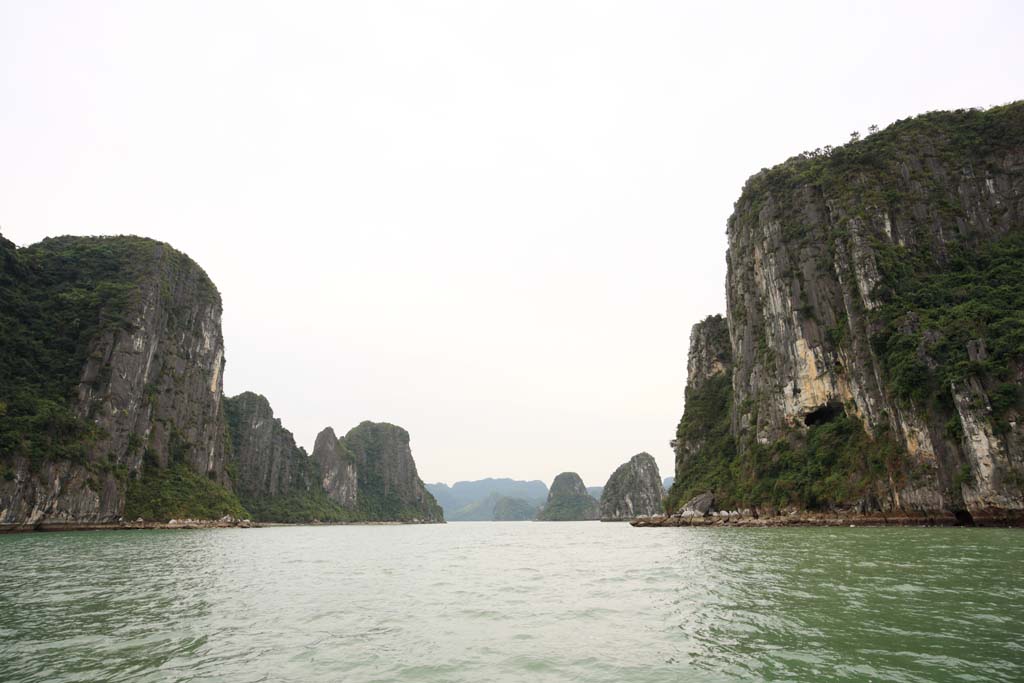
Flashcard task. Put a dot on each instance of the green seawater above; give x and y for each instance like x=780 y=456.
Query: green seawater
x=524 y=601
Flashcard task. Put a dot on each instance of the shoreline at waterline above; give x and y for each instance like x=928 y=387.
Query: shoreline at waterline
x=180 y=524
x=833 y=519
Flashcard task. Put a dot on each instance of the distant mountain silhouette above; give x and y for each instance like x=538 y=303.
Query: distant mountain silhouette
x=475 y=500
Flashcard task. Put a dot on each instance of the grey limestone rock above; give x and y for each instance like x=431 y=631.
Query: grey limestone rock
x=634 y=489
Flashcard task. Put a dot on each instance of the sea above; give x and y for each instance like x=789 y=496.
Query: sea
x=513 y=601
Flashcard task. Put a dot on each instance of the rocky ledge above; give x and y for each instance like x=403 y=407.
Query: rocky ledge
x=701 y=511
x=225 y=522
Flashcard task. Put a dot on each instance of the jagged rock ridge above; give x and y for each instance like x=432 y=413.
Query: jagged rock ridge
x=369 y=475
x=265 y=459
x=372 y=468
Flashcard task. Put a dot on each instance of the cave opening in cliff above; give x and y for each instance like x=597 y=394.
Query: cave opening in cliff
x=964 y=517
x=823 y=414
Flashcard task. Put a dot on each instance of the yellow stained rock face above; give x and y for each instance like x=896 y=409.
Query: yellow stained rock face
x=915 y=437
x=814 y=385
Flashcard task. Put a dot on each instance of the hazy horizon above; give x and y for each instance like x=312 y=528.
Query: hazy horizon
x=492 y=224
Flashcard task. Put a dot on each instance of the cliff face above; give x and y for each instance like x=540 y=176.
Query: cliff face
x=389 y=486
x=708 y=391
x=568 y=500
x=368 y=475
x=264 y=455
x=704 y=444
x=112 y=371
x=633 y=490
x=338 y=476
x=275 y=479
x=876 y=329
x=278 y=482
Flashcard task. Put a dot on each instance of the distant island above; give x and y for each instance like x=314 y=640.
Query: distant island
x=569 y=501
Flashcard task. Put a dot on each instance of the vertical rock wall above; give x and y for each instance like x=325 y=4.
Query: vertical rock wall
x=338 y=475
x=264 y=456
x=815 y=250
x=633 y=490
x=150 y=383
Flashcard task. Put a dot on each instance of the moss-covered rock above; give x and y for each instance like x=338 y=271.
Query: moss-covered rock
x=513 y=510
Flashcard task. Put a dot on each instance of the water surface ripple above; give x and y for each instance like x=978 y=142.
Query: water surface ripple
x=513 y=602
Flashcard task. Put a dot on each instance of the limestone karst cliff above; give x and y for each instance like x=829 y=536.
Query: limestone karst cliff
x=875 y=352
x=337 y=468
x=372 y=469
x=264 y=457
x=276 y=480
x=112 y=406
x=568 y=501
x=111 y=368
x=356 y=478
x=633 y=490
x=704 y=441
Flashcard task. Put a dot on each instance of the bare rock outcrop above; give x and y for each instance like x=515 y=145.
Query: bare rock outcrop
x=633 y=490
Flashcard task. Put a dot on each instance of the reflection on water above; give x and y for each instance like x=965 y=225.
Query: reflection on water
x=513 y=601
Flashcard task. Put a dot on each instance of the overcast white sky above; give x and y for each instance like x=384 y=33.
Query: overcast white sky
x=491 y=223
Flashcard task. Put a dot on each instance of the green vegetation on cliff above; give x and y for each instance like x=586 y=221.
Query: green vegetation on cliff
x=513 y=510
x=300 y=507
x=835 y=462
x=933 y=312
x=58 y=296
x=176 y=492
x=852 y=170
x=706 y=422
x=65 y=301
x=832 y=462
x=389 y=487
x=568 y=501
x=575 y=508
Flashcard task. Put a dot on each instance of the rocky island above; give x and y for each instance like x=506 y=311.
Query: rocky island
x=569 y=501
x=634 y=490
x=871 y=362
